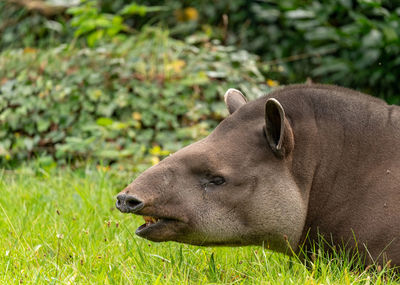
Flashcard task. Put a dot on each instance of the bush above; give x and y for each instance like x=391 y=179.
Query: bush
x=355 y=43
x=20 y=27
x=138 y=99
x=346 y=42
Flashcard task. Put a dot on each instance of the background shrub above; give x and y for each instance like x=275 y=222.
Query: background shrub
x=149 y=94
x=355 y=43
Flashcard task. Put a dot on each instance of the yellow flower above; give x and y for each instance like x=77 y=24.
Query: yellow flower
x=136 y=116
x=97 y=93
x=156 y=150
x=176 y=65
x=272 y=83
x=103 y=168
x=29 y=50
x=187 y=14
x=191 y=14
x=154 y=160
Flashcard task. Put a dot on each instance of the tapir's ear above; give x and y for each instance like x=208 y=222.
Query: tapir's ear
x=277 y=128
x=234 y=99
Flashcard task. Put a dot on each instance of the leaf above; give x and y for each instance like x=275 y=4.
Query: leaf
x=299 y=14
x=390 y=34
x=111 y=153
x=29 y=143
x=104 y=122
x=198 y=78
x=373 y=38
x=134 y=9
x=331 y=68
x=43 y=125
x=322 y=34
x=94 y=37
x=265 y=14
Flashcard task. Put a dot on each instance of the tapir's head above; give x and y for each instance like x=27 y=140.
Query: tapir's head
x=234 y=187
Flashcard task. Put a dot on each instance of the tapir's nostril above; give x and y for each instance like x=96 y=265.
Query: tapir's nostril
x=128 y=204
x=132 y=202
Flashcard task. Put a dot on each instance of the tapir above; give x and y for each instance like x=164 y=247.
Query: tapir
x=302 y=162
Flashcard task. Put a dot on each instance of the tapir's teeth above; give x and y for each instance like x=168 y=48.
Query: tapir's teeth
x=150 y=220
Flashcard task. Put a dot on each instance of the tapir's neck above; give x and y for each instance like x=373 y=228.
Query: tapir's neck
x=342 y=139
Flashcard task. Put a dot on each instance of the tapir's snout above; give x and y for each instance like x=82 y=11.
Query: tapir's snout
x=128 y=203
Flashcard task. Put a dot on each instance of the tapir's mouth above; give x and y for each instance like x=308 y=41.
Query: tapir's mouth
x=149 y=222
x=155 y=227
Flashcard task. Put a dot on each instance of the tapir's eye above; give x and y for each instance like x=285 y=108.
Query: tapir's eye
x=211 y=181
x=218 y=180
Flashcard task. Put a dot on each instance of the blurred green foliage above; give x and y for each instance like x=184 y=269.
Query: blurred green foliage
x=354 y=43
x=90 y=20
x=21 y=28
x=115 y=80
x=137 y=99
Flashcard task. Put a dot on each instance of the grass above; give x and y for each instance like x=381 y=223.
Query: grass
x=62 y=228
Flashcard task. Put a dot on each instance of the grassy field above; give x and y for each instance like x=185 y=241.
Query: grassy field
x=62 y=228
